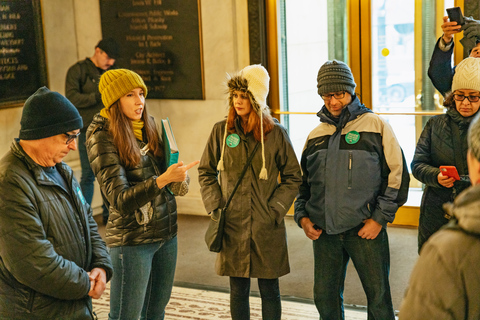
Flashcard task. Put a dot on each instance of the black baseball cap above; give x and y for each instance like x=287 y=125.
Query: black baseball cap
x=110 y=46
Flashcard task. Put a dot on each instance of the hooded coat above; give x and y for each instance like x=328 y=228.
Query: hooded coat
x=254 y=243
x=445 y=280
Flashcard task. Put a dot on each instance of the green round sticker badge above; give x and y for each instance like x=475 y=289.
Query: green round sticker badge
x=352 y=137
x=233 y=140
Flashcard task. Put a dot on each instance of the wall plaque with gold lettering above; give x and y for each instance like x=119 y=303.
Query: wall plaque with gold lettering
x=22 y=55
x=161 y=41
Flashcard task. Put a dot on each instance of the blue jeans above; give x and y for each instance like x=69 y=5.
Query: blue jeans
x=88 y=178
x=269 y=293
x=372 y=262
x=142 y=280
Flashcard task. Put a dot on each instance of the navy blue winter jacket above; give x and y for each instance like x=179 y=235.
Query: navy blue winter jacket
x=440 y=70
x=353 y=170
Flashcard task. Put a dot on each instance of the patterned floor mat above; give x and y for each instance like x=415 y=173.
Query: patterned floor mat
x=194 y=304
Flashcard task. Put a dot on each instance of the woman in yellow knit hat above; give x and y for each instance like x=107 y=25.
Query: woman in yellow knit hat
x=126 y=155
x=254 y=244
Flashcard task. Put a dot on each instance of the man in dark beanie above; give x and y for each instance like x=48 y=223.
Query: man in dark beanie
x=81 y=88
x=52 y=258
x=354 y=179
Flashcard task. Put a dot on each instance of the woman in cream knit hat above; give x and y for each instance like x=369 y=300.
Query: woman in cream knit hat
x=126 y=155
x=443 y=142
x=254 y=244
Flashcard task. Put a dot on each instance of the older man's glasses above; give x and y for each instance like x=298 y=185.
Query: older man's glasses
x=71 y=137
x=337 y=95
x=461 y=97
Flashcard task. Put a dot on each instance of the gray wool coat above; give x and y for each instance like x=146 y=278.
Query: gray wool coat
x=254 y=244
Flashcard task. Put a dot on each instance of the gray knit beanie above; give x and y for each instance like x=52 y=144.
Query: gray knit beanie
x=335 y=76
x=47 y=113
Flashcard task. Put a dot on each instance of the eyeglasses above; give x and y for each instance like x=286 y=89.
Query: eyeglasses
x=461 y=97
x=337 y=95
x=71 y=137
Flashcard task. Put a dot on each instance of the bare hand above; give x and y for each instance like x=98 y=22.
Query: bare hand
x=445 y=181
x=175 y=173
x=370 y=230
x=449 y=28
x=98 y=282
x=310 y=231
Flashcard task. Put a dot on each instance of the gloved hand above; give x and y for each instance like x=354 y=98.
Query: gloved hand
x=471 y=24
x=471 y=32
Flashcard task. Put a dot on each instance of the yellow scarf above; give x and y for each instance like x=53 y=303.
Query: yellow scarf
x=136 y=124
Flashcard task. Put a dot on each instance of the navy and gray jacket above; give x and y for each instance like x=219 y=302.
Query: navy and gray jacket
x=353 y=170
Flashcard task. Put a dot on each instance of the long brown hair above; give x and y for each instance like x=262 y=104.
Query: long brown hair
x=449 y=101
x=253 y=122
x=124 y=139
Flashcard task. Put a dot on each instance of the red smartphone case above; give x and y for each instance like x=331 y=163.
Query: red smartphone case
x=450 y=171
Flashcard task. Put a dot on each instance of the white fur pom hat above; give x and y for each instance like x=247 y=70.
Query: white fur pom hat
x=467 y=75
x=253 y=80
x=258 y=81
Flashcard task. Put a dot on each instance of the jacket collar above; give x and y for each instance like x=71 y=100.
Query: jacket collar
x=349 y=113
x=462 y=122
x=38 y=173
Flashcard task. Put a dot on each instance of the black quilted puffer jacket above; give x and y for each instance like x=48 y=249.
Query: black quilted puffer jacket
x=435 y=148
x=126 y=190
x=48 y=242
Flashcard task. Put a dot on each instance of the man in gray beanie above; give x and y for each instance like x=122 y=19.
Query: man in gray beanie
x=52 y=258
x=354 y=179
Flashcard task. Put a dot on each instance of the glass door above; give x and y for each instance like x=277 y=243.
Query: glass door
x=310 y=32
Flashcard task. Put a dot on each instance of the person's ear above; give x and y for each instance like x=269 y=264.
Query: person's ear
x=473 y=168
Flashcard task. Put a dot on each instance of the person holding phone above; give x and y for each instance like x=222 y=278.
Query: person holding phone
x=254 y=244
x=443 y=142
x=440 y=70
x=127 y=157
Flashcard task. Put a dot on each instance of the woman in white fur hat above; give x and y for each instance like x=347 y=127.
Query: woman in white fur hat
x=443 y=142
x=254 y=244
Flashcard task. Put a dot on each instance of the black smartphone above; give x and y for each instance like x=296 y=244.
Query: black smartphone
x=455 y=14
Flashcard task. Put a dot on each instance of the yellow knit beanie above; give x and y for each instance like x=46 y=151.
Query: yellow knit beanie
x=116 y=83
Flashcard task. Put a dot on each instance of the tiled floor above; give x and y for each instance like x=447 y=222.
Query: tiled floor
x=197 y=304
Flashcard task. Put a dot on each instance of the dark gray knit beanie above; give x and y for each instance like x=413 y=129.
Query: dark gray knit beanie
x=47 y=113
x=335 y=76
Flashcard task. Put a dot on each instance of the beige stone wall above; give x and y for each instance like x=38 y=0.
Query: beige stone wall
x=71 y=30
